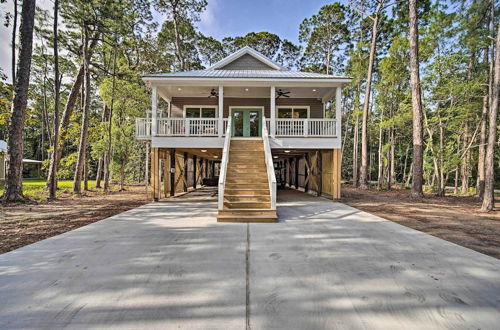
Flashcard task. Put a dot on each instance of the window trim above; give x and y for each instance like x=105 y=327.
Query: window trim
x=184 y=108
x=294 y=107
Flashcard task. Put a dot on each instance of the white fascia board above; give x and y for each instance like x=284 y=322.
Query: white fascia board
x=254 y=82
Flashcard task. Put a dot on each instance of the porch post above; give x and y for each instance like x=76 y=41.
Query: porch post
x=221 y=111
x=154 y=109
x=338 y=113
x=273 y=112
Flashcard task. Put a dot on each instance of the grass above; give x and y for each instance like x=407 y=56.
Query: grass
x=35 y=188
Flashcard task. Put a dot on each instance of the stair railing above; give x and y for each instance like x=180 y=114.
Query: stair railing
x=271 y=177
x=223 y=166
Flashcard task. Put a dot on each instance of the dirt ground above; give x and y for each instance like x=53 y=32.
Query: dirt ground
x=454 y=218
x=23 y=224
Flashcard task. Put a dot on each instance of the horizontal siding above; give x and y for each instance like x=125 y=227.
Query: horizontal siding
x=316 y=106
x=246 y=62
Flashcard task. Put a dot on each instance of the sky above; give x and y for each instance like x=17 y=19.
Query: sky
x=221 y=18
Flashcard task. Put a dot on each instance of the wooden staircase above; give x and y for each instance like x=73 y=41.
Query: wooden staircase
x=246 y=195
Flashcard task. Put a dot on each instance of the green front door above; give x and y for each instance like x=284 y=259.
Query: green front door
x=246 y=122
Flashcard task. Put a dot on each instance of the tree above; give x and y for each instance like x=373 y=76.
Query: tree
x=324 y=34
x=82 y=147
x=363 y=171
x=181 y=12
x=53 y=176
x=418 y=139
x=489 y=184
x=15 y=145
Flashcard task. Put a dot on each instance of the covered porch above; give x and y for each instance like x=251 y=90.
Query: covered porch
x=292 y=110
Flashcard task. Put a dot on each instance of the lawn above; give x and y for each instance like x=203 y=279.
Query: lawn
x=35 y=188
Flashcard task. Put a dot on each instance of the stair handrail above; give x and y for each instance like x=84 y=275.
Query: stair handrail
x=223 y=167
x=271 y=177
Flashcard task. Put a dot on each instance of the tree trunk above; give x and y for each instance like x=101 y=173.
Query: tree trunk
x=178 y=49
x=107 y=176
x=418 y=139
x=14 y=34
x=68 y=110
x=100 y=167
x=363 y=173
x=82 y=147
x=381 y=164
x=15 y=145
x=486 y=106
x=489 y=182
x=98 y=176
x=464 y=172
x=86 y=173
x=53 y=176
x=355 y=150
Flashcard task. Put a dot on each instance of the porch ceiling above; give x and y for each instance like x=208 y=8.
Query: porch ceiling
x=169 y=91
x=209 y=153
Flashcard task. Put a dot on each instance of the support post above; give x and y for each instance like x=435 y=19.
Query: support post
x=195 y=161
x=338 y=113
x=154 y=110
x=320 y=172
x=186 y=158
x=306 y=172
x=172 y=172
x=221 y=111
x=273 y=112
x=296 y=168
x=336 y=161
x=154 y=174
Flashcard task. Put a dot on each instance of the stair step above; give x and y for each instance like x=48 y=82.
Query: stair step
x=243 y=180
x=248 y=212
x=247 y=205
x=247 y=198
x=246 y=218
x=251 y=185
x=245 y=192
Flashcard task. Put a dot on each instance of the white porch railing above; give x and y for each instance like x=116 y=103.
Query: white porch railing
x=223 y=165
x=271 y=176
x=285 y=127
x=306 y=127
x=143 y=128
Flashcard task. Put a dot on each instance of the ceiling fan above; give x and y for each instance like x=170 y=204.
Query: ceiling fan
x=281 y=93
x=213 y=93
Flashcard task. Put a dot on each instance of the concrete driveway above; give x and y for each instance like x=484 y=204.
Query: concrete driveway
x=324 y=266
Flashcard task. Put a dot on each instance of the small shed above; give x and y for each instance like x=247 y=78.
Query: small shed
x=26 y=161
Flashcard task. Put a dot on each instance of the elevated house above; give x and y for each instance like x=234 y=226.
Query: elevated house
x=248 y=124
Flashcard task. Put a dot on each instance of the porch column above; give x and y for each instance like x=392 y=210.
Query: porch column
x=154 y=109
x=221 y=111
x=273 y=112
x=338 y=112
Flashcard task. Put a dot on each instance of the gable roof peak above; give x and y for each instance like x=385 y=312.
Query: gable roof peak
x=244 y=51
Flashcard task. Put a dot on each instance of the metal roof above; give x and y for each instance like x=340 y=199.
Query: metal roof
x=262 y=74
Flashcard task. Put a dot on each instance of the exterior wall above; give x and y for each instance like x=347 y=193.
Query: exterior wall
x=178 y=103
x=246 y=62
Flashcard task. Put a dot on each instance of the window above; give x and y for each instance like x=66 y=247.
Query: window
x=200 y=112
x=293 y=112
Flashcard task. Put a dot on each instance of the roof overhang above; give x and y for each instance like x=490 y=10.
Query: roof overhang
x=250 y=82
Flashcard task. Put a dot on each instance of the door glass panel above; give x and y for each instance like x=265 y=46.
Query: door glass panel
x=238 y=123
x=254 y=123
x=299 y=113
x=208 y=113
